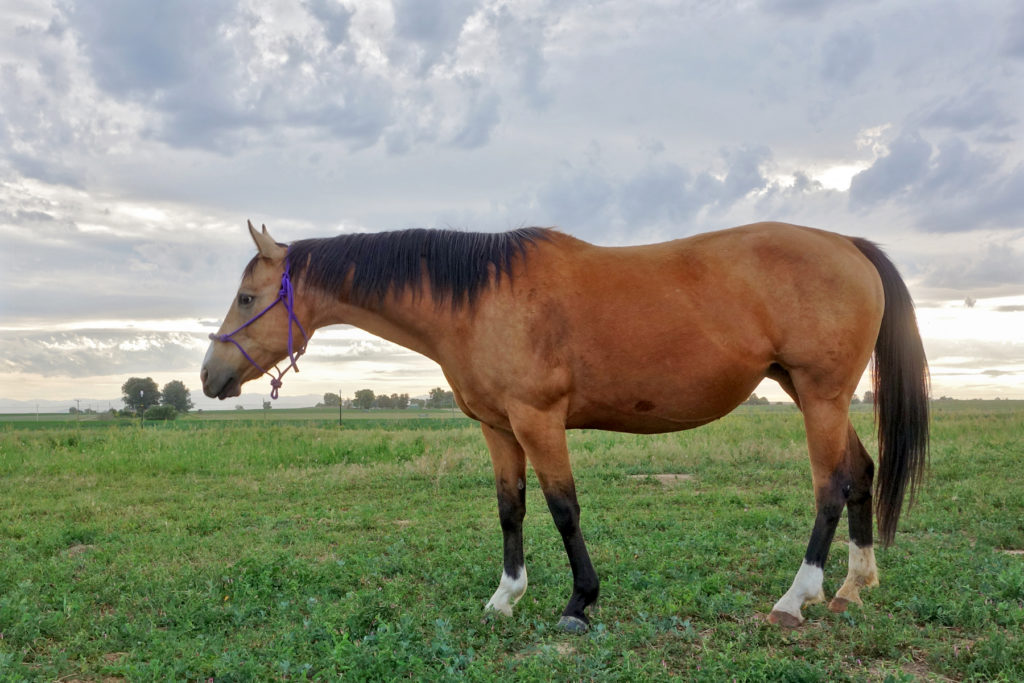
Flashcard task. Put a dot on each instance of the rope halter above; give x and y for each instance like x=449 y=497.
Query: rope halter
x=287 y=297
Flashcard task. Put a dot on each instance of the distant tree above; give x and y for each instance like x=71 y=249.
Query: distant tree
x=755 y=400
x=176 y=394
x=854 y=400
x=139 y=394
x=383 y=401
x=73 y=410
x=267 y=405
x=239 y=407
x=363 y=399
x=439 y=398
x=869 y=397
x=401 y=401
x=331 y=399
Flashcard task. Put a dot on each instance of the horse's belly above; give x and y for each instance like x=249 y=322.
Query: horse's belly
x=636 y=424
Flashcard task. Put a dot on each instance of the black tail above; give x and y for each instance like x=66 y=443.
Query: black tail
x=900 y=376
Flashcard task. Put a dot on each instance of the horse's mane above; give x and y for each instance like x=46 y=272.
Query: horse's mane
x=458 y=265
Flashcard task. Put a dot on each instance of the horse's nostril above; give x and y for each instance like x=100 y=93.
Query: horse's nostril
x=203 y=374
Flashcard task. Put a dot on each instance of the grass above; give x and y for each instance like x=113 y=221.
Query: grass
x=294 y=549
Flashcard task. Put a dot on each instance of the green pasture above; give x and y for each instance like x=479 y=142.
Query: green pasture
x=239 y=546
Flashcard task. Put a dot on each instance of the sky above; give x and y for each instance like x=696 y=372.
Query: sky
x=136 y=139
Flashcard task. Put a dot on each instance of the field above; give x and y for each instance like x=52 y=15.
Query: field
x=242 y=546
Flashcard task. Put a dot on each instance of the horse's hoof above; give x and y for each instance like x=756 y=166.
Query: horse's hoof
x=784 y=619
x=573 y=625
x=838 y=604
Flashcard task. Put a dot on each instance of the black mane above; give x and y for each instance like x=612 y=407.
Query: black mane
x=458 y=265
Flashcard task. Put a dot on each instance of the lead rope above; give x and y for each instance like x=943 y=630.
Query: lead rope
x=287 y=296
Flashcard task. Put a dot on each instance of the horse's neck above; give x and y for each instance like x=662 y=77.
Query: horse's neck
x=412 y=322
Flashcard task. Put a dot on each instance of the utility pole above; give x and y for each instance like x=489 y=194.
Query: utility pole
x=340 y=404
x=78 y=408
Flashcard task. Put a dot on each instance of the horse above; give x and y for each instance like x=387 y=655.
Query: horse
x=538 y=332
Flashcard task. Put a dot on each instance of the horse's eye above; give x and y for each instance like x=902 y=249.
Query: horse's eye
x=245 y=299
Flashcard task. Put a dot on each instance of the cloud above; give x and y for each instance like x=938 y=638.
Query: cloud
x=521 y=41
x=905 y=164
x=950 y=187
x=996 y=263
x=334 y=18
x=428 y=29
x=846 y=55
x=659 y=196
x=963 y=112
x=100 y=352
x=145 y=49
x=1013 y=41
x=480 y=120
x=809 y=9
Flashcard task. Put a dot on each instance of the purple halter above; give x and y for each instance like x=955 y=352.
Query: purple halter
x=286 y=296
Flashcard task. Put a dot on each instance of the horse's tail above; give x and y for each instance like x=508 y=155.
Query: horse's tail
x=901 y=388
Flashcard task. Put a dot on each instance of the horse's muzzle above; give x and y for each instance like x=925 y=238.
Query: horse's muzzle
x=220 y=385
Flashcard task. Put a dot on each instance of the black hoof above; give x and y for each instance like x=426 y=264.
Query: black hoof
x=573 y=625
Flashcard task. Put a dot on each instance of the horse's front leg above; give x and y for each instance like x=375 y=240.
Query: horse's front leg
x=543 y=439
x=510 y=477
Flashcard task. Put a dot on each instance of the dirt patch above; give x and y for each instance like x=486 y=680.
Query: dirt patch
x=562 y=649
x=1012 y=552
x=80 y=549
x=402 y=523
x=665 y=479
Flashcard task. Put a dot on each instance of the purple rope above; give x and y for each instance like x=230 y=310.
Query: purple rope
x=287 y=296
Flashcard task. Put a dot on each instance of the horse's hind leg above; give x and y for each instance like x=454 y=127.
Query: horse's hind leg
x=510 y=477
x=862 y=572
x=827 y=438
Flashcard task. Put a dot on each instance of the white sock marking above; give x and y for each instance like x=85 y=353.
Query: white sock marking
x=806 y=588
x=862 y=564
x=508 y=593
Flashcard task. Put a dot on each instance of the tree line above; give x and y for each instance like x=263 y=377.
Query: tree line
x=756 y=400
x=366 y=399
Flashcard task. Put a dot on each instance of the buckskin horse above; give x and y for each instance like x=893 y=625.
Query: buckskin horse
x=538 y=332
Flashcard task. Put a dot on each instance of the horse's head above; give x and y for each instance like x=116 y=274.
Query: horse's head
x=261 y=327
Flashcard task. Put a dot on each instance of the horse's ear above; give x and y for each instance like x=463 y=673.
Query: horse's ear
x=266 y=244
